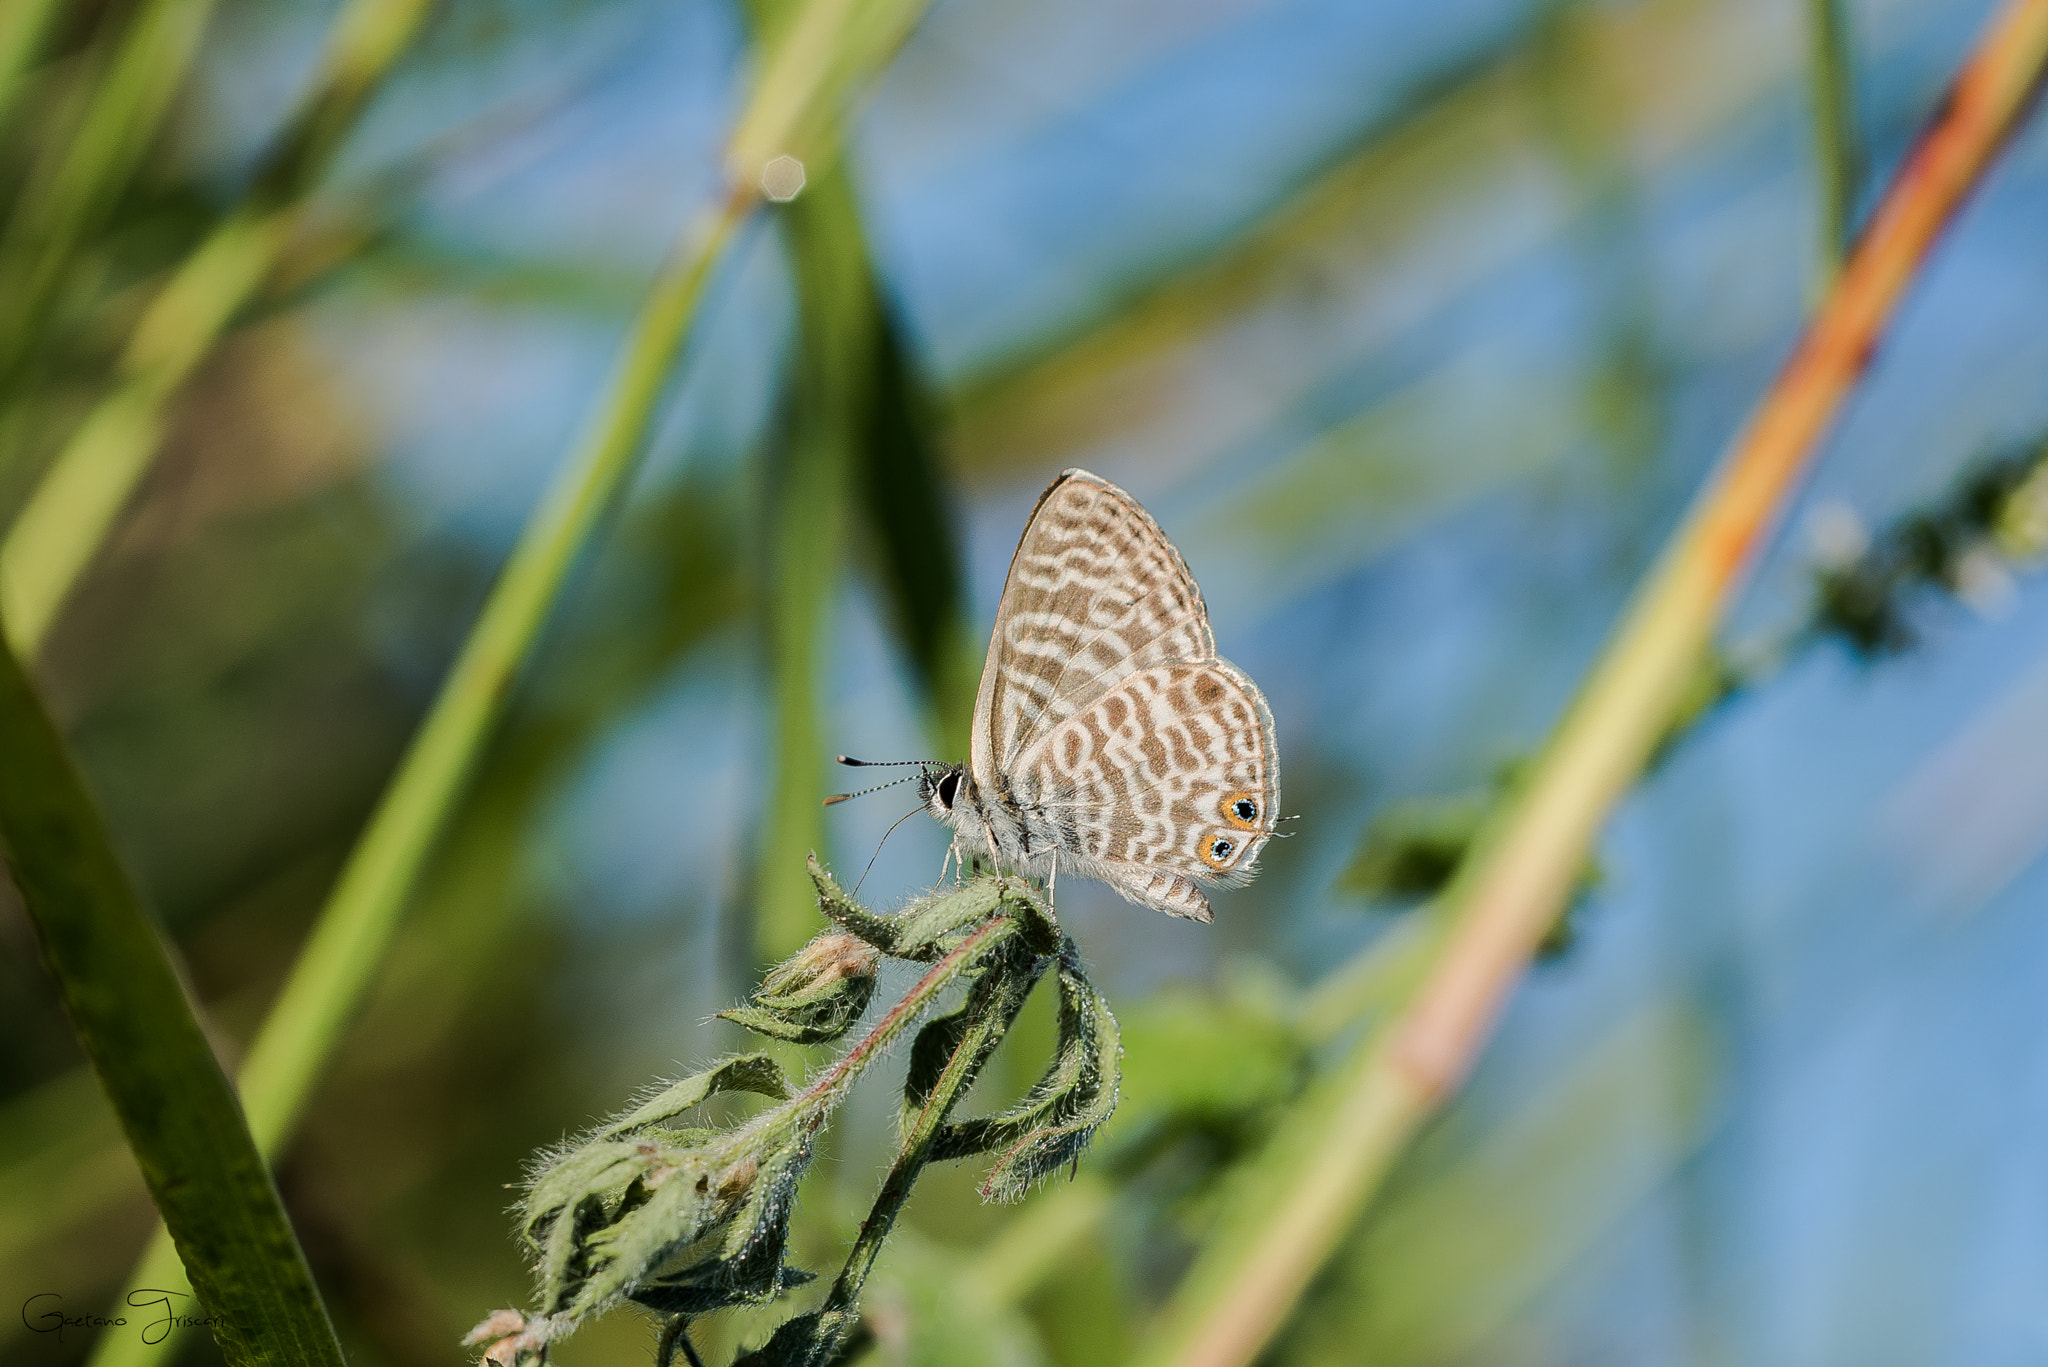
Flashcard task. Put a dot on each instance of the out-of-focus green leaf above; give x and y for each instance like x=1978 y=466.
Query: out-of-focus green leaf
x=806 y=487
x=1192 y=1059
x=907 y=501
x=1411 y=849
x=1838 y=153
x=925 y=1315
x=130 y=1009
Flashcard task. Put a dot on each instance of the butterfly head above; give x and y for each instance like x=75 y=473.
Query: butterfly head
x=939 y=786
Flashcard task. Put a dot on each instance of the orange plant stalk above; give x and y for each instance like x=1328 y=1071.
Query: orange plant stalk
x=1332 y=1153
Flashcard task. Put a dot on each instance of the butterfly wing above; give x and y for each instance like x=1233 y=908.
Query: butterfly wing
x=1096 y=592
x=1169 y=778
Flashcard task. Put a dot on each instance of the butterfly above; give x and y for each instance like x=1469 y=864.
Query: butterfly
x=1109 y=739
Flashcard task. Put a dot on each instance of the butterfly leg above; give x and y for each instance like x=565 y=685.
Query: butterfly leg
x=1052 y=890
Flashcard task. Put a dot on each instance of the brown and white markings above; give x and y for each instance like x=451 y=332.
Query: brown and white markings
x=1109 y=739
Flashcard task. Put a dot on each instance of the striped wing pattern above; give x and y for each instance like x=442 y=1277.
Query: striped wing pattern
x=1095 y=593
x=1106 y=727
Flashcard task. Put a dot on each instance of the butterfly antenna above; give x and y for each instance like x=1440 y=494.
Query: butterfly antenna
x=842 y=797
x=850 y=762
x=878 y=847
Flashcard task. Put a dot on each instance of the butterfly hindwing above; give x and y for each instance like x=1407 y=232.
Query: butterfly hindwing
x=1171 y=774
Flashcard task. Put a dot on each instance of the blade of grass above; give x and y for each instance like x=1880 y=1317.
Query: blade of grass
x=355 y=927
x=129 y=1007
x=76 y=181
x=1838 y=158
x=75 y=504
x=1310 y=1187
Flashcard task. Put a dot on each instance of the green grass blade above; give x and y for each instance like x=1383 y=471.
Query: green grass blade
x=856 y=439
x=74 y=506
x=129 y=1007
x=818 y=55
x=77 y=181
x=906 y=502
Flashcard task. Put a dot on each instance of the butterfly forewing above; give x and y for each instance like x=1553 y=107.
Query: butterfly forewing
x=1095 y=593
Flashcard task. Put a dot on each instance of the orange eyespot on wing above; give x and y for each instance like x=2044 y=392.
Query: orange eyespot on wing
x=1219 y=851
x=1242 y=811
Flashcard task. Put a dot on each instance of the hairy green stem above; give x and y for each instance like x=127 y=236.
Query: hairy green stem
x=1010 y=981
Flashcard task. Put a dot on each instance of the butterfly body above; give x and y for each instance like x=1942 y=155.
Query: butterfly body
x=1109 y=738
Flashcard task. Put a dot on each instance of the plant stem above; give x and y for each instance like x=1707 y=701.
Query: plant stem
x=995 y=1004
x=1837 y=156
x=890 y=1027
x=1336 y=1148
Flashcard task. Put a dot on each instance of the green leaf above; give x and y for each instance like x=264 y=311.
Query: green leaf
x=879 y=931
x=697 y=1294
x=129 y=1007
x=928 y=929
x=756 y=1073
x=908 y=507
x=930 y=1053
x=1411 y=849
x=808 y=1340
x=1054 y=1122
x=1193 y=1061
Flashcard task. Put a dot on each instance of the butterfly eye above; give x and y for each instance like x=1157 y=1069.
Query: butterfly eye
x=949 y=786
x=1220 y=850
x=1245 y=808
